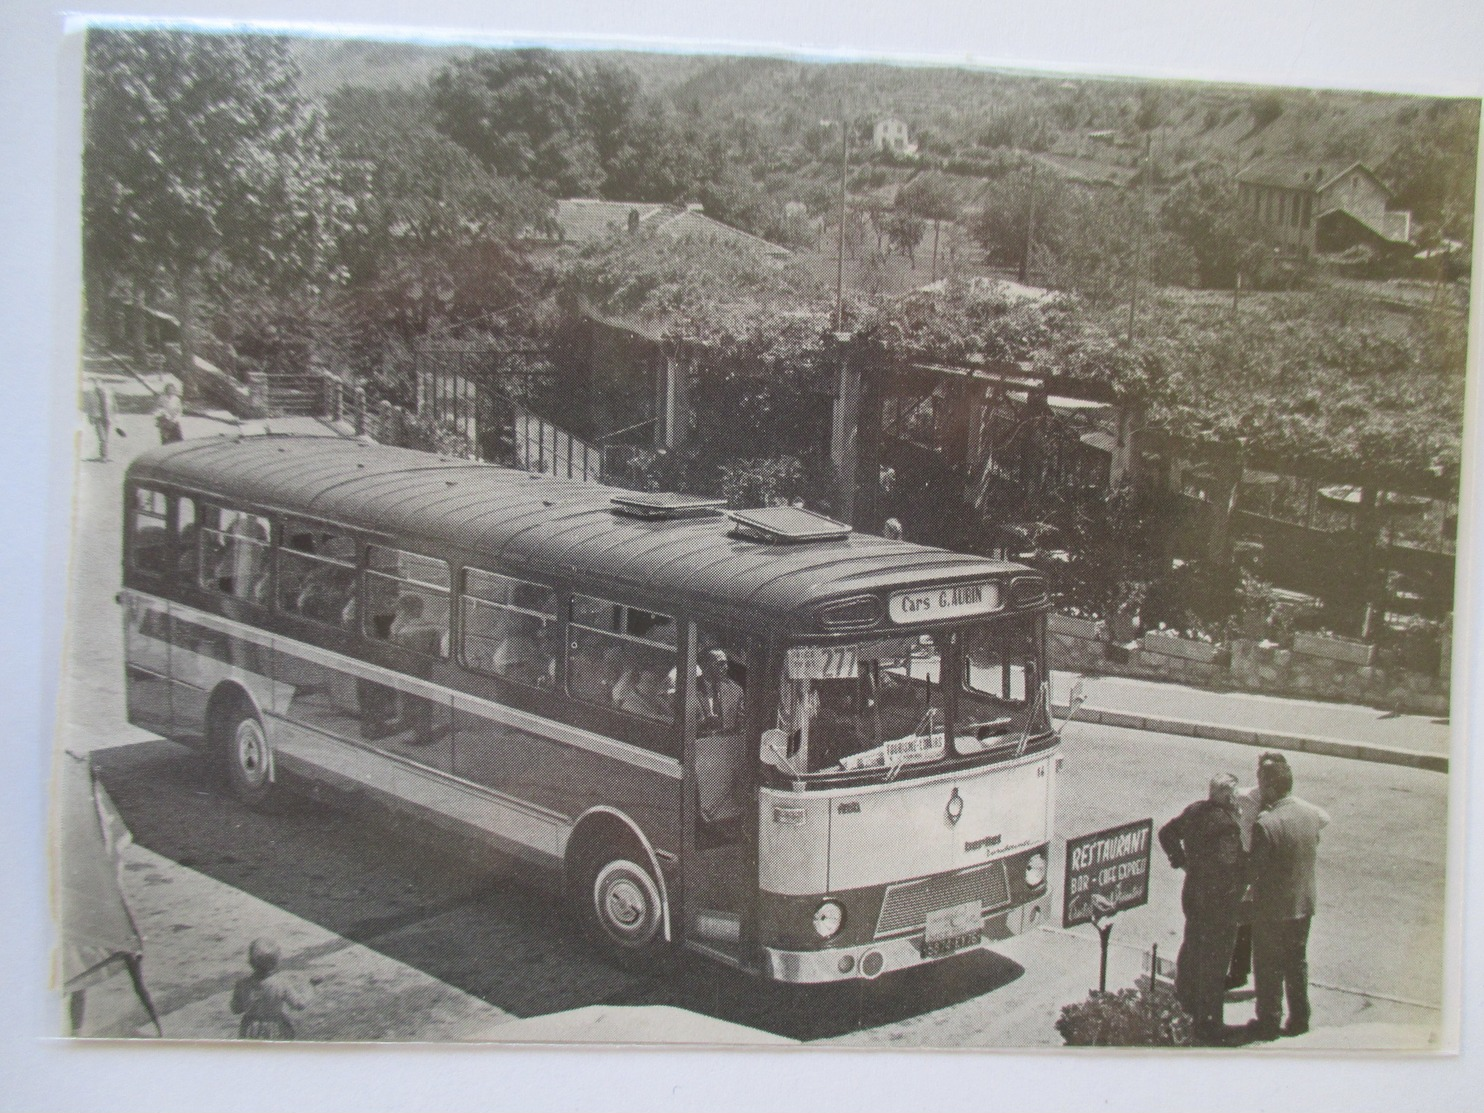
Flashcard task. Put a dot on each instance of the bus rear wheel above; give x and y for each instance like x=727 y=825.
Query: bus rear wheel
x=245 y=746
x=623 y=911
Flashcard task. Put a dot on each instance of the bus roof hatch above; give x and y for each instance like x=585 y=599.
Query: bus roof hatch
x=664 y=506
x=787 y=525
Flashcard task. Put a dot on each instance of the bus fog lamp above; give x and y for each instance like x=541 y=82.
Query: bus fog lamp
x=829 y=917
x=1035 y=870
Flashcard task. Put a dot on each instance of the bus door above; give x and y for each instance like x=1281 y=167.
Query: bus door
x=720 y=847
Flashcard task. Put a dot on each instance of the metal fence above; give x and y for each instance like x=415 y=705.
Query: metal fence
x=543 y=447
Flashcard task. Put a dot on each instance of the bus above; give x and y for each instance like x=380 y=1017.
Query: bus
x=806 y=752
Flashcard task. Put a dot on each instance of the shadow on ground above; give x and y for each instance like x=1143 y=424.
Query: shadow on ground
x=473 y=921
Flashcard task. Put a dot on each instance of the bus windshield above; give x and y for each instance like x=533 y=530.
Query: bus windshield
x=890 y=702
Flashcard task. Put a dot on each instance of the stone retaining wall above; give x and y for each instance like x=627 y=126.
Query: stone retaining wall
x=1248 y=666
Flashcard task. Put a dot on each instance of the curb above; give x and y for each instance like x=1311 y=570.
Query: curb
x=1245 y=736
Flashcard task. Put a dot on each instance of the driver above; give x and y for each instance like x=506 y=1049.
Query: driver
x=835 y=731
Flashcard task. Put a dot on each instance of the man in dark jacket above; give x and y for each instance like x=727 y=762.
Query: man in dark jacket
x=1285 y=843
x=1205 y=840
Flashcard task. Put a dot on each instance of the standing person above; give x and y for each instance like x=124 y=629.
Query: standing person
x=1249 y=803
x=97 y=402
x=719 y=695
x=168 y=414
x=1205 y=840
x=1285 y=844
x=264 y=998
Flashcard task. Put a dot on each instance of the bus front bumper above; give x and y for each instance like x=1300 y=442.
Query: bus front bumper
x=871 y=960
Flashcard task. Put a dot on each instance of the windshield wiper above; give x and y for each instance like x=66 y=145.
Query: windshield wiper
x=1025 y=733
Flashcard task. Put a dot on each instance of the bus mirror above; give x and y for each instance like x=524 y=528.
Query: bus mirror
x=775 y=748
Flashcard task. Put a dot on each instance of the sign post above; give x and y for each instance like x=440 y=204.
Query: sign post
x=1106 y=872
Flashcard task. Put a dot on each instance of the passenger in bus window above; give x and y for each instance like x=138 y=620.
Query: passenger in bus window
x=640 y=691
x=186 y=556
x=323 y=594
x=835 y=730
x=594 y=669
x=292 y=572
x=240 y=567
x=525 y=654
x=411 y=630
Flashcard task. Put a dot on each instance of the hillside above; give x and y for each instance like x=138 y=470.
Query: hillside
x=778 y=117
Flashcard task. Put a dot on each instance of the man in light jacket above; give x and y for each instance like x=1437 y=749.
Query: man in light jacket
x=1285 y=845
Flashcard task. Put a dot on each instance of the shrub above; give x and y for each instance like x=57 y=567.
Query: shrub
x=1128 y=1018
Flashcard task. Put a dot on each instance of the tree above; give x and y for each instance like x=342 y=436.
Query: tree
x=1204 y=212
x=1004 y=220
x=410 y=190
x=523 y=114
x=1433 y=168
x=200 y=153
x=930 y=197
x=904 y=231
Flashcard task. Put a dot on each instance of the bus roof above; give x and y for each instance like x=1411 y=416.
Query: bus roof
x=547 y=525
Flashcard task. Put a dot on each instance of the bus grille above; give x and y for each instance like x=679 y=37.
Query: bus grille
x=907 y=905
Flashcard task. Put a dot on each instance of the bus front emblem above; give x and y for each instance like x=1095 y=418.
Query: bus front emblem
x=955 y=808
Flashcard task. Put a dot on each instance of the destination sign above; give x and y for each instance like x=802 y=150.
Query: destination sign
x=898 y=751
x=829 y=662
x=936 y=603
x=1112 y=865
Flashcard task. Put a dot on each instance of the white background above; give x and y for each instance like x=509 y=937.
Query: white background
x=1427 y=46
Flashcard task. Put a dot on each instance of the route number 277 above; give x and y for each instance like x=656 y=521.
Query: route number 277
x=832 y=662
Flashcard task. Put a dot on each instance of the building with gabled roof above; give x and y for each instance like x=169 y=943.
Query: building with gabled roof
x=581 y=221
x=891 y=134
x=1311 y=206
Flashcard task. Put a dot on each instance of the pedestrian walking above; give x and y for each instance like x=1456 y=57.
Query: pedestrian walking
x=1285 y=845
x=1249 y=803
x=264 y=997
x=97 y=402
x=1205 y=840
x=168 y=414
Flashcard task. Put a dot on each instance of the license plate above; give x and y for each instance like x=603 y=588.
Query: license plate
x=952 y=929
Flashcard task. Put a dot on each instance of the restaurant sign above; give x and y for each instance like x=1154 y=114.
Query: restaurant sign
x=1106 y=872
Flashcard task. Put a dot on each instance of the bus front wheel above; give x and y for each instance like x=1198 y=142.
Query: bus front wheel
x=247 y=763
x=623 y=910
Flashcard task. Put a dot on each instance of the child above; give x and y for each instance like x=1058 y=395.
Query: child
x=264 y=997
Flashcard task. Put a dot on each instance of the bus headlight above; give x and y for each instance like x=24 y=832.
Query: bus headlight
x=1035 y=870
x=829 y=918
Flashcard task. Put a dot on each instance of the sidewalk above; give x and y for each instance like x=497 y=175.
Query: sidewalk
x=1269 y=722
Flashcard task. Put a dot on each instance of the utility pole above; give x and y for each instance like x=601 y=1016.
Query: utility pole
x=1030 y=227
x=1143 y=215
x=840 y=249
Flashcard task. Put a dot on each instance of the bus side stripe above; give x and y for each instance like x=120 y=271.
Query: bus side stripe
x=462 y=701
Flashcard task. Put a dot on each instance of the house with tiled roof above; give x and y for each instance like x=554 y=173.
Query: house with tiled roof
x=1311 y=206
x=581 y=221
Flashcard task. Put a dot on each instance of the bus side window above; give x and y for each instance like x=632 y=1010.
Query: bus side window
x=149 y=535
x=407 y=600
x=234 y=554
x=509 y=628
x=621 y=658
x=316 y=571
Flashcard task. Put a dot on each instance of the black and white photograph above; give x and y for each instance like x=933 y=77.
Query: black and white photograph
x=618 y=545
